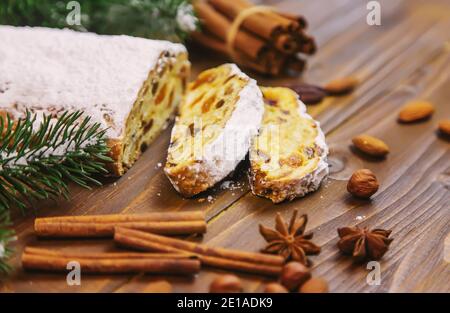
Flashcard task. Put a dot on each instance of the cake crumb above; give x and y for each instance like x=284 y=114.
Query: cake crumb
x=226 y=184
x=231 y=185
x=360 y=217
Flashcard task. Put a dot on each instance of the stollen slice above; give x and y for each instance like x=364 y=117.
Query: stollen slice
x=218 y=118
x=289 y=156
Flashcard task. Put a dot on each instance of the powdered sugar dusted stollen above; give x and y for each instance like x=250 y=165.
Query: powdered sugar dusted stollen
x=219 y=116
x=129 y=85
x=289 y=156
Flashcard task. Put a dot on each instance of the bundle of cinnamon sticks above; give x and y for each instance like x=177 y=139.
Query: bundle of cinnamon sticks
x=248 y=262
x=111 y=263
x=267 y=41
x=143 y=232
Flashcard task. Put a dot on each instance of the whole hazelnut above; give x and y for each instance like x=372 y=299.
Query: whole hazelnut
x=363 y=184
x=275 y=288
x=226 y=284
x=444 y=127
x=314 y=285
x=294 y=274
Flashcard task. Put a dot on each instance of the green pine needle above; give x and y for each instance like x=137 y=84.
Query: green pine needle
x=159 y=19
x=37 y=160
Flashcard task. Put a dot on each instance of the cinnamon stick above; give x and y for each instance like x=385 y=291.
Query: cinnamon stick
x=249 y=262
x=108 y=255
x=246 y=267
x=117 y=218
x=301 y=21
x=258 y=53
x=266 y=41
x=79 y=230
x=263 y=24
x=209 y=41
x=270 y=26
x=103 y=225
x=127 y=240
x=203 y=249
x=174 y=266
x=219 y=25
x=295 y=65
x=284 y=42
x=272 y=66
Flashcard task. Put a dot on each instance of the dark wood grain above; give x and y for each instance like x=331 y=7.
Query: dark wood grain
x=408 y=57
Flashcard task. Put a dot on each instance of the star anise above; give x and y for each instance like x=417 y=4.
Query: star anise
x=290 y=241
x=364 y=244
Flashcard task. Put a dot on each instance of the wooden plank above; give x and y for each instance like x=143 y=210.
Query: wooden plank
x=413 y=199
x=402 y=59
x=239 y=219
x=221 y=233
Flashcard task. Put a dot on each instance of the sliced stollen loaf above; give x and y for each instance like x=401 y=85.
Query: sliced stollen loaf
x=129 y=85
x=221 y=113
x=289 y=156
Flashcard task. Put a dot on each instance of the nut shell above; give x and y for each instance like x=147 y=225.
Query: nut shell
x=314 y=285
x=371 y=145
x=363 y=184
x=226 y=284
x=415 y=111
x=294 y=274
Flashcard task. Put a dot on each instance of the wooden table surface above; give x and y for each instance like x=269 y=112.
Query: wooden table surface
x=406 y=58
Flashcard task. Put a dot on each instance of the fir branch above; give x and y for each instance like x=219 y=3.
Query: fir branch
x=39 y=155
x=159 y=19
x=6 y=237
x=35 y=164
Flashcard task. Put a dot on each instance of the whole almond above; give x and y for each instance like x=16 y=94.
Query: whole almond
x=415 y=111
x=314 y=285
x=363 y=184
x=275 y=288
x=444 y=127
x=341 y=86
x=371 y=145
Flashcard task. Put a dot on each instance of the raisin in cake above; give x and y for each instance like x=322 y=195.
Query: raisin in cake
x=129 y=85
x=221 y=113
x=288 y=157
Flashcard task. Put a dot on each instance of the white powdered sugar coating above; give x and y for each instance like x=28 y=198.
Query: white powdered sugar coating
x=221 y=157
x=312 y=181
x=52 y=70
x=300 y=186
x=231 y=146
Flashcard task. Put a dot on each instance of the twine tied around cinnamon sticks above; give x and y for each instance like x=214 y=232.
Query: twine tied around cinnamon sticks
x=236 y=25
x=257 y=37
